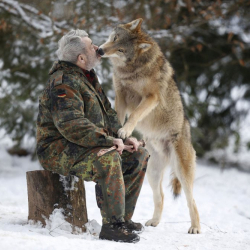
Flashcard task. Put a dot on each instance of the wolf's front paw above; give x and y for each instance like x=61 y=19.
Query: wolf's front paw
x=152 y=222
x=124 y=132
x=194 y=230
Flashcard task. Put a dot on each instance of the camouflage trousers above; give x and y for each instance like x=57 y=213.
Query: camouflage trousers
x=118 y=181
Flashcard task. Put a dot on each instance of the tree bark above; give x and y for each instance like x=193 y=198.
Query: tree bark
x=48 y=190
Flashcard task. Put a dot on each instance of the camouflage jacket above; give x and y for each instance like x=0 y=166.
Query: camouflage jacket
x=71 y=109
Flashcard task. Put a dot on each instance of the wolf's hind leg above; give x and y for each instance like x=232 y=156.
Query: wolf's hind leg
x=185 y=172
x=155 y=173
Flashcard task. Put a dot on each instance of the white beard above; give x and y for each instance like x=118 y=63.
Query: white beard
x=92 y=61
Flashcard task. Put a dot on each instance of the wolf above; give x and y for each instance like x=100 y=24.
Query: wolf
x=146 y=92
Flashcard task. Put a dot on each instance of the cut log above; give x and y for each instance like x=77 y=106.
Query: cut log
x=48 y=190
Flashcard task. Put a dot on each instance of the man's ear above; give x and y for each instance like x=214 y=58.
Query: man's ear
x=81 y=59
x=145 y=46
x=135 y=25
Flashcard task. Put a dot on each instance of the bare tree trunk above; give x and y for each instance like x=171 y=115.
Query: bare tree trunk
x=48 y=190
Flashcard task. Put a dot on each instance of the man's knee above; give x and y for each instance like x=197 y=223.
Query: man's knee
x=140 y=157
x=142 y=154
x=111 y=156
x=109 y=162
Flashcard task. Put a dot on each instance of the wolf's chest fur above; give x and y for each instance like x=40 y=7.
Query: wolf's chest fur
x=133 y=91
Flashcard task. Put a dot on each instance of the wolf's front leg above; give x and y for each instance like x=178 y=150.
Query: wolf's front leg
x=126 y=130
x=120 y=96
x=147 y=104
x=120 y=106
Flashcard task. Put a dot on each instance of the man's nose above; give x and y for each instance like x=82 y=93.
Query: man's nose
x=95 y=47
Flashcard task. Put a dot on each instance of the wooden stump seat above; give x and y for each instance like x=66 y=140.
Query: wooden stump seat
x=48 y=190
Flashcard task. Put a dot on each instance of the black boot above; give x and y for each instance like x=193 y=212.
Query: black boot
x=117 y=232
x=134 y=227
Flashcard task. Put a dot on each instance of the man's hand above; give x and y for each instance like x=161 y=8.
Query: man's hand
x=119 y=145
x=132 y=142
x=131 y=145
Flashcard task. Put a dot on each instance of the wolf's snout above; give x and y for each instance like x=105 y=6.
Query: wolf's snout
x=100 y=52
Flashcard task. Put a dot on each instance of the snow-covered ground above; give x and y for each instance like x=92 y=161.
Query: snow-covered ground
x=223 y=200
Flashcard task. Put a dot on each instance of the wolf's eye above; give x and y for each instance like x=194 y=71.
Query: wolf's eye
x=121 y=50
x=115 y=38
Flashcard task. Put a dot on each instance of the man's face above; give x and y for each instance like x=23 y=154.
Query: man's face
x=92 y=58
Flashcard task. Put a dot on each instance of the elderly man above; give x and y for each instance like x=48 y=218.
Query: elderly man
x=75 y=122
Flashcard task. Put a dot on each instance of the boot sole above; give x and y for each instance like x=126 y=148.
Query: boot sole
x=122 y=241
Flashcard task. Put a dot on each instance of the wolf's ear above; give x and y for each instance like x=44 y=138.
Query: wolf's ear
x=144 y=46
x=135 y=25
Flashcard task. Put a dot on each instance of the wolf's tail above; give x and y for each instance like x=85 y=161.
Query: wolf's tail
x=176 y=187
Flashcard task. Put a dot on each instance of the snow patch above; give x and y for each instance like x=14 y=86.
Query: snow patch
x=56 y=224
x=69 y=182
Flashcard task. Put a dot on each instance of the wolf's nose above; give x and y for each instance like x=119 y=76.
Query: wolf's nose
x=100 y=52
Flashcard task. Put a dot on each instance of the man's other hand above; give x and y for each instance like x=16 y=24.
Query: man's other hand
x=119 y=145
x=132 y=142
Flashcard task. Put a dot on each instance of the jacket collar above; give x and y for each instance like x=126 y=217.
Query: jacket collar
x=66 y=66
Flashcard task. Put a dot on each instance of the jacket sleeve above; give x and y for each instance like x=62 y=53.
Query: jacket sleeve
x=112 y=115
x=115 y=123
x=67 y=109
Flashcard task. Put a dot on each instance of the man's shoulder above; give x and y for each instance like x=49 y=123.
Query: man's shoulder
x=69 y=78
x=56 y=78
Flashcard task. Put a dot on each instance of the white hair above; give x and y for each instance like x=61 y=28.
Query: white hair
x=71 y=45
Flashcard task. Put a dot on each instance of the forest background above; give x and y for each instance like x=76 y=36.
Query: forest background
x=207 y=43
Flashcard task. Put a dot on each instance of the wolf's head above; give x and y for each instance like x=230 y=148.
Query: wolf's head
x=126 y=42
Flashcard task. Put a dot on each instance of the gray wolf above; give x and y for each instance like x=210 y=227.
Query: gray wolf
x=147 y=93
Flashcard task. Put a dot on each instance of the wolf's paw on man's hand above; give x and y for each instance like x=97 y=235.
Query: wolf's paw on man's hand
x=122 y=133
x=125 y=131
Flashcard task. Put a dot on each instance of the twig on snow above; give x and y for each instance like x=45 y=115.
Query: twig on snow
x=54 y=229
x=205 y=175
